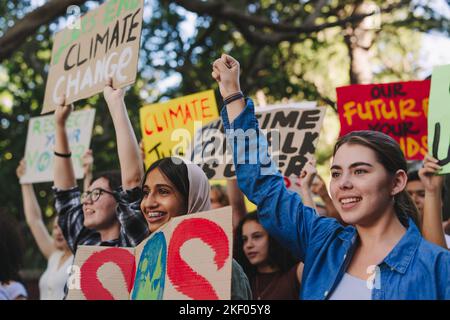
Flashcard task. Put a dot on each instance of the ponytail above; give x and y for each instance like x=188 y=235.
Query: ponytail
x=405 y=208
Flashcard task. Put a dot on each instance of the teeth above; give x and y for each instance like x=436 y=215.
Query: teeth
x=155 y=214
x=350 y=200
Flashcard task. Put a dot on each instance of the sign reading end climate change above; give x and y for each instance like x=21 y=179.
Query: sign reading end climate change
x=397 y=109
x=104 y=43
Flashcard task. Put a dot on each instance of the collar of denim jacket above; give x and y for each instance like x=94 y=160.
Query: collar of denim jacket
x=401 y=256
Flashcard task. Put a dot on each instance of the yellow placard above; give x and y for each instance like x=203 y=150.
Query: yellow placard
x=168 y=127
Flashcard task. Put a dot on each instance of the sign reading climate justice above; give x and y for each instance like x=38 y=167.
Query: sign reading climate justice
x=41 y=142
x=105 y=43
x=295 y=128
x=398 y=109
x=190 y=257
x=168 y=127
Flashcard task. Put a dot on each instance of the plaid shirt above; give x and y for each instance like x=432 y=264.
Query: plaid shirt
x=133 y=227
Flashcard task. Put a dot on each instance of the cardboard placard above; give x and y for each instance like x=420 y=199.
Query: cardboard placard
x=41 y=141
x=398 y=109
x=101 y=273
x=298 y=130
x=189 y=257
x=439 y=117
x=104 y=44
x=168 y=127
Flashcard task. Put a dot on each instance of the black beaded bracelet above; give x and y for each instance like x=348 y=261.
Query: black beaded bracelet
x=62 y=155
x=233 y=97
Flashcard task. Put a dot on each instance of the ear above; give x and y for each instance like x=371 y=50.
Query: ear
x=399 y=182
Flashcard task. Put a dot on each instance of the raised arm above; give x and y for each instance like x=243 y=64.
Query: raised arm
x=237 y=202
x=33 y=216
x=226 y=73
x=432 y=211
x=131 y=166
x=64 y=176
x=318 y=187
x=306 y=178
x=280 y=211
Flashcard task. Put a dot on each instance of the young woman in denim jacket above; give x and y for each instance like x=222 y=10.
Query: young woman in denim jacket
x=381 y=255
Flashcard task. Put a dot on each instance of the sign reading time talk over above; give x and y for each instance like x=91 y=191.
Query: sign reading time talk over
x=189 y=257
x=297 y=127
x=41 y=141
x=398 y=109
x=105 y=43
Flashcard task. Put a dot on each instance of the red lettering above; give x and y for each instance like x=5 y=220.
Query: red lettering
x=91 y=286
x=182 y=276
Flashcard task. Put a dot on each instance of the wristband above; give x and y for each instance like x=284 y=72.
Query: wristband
x=62 y=155
x=233 y=97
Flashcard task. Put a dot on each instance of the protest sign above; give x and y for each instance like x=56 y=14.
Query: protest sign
x=101 y=273
x=41 y=141
x=439 y=117
x=189 y=257
x=168 y=127
x=105 y=43
x=292 y=133
x=398 y=109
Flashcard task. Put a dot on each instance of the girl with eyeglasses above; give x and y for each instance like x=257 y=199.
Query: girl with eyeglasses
x=110 y=205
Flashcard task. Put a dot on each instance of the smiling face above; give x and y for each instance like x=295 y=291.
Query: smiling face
x=361 y=188
x=255 y=243
x=101 y=214
x=161 y=200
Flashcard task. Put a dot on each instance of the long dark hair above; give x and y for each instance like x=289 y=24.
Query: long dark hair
x=174 y=170
x=278 y=256
x=390 y=155
x=113 y=177
x=11 y=248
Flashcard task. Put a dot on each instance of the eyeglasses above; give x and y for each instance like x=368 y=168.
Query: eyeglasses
x=94 y=195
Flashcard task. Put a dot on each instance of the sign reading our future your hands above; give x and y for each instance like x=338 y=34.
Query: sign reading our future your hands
x=103 y=43
x=398 y=109
x=41 y=141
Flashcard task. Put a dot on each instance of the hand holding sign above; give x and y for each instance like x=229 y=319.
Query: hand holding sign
x=113 y=97
x=226 y=73
x=428 y=175
x=307 y=175
x=62 y=112
x=20 y=171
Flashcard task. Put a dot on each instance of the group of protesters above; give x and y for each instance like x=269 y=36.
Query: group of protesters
x=376 y=233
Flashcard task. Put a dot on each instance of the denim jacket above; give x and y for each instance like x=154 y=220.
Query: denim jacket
x=414 y=269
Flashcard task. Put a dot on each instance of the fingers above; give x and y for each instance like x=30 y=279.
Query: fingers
x=429 y=158
x=220 y=65
x=229 y=61
x=62 y=100
x=109 y=82
x=215 y=76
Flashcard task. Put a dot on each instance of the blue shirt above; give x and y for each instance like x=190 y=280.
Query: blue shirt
x=414 y=269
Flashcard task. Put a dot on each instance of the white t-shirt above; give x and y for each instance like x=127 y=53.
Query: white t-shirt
x=12 y=291
x=53 y=280
x=351 y=288
x=447 y=239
